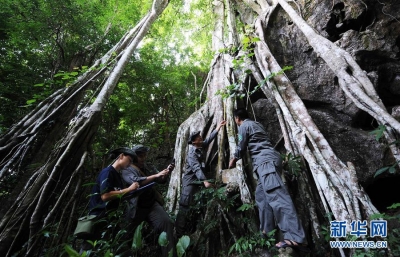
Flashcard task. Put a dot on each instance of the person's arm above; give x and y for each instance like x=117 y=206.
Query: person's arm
x=118 y=193
x=131 y=174
x=109 y=190
x=164 y=177
x=158 y=177
x=208 y=140
x=241 y=147
x=222 y=123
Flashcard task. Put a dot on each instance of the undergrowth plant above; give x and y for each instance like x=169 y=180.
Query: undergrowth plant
x=393 y=233
x=246 y=245
x=379 y=133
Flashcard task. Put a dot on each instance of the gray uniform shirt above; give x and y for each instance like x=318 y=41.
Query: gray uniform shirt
x=145 y=199
x=195 y=166
x=252 y=136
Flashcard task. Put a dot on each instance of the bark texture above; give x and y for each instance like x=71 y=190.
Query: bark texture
x=44 y=202
x=323 y=110
x=344 y=84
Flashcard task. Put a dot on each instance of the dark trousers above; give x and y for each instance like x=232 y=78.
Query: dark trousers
x=185 y=202
x=159 y=219
x=181 y=219
x=275 y=205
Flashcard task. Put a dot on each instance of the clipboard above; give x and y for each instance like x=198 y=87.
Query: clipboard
x=138 y=191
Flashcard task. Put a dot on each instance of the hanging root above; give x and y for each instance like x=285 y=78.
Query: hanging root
x=328 y=171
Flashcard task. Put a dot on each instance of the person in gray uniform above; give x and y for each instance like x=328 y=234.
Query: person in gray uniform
x=194 y=176
x=147 y=206
x=272 y=198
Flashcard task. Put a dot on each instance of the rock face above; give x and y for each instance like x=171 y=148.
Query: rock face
x=370 y=31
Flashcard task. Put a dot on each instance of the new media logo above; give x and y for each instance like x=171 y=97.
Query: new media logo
x=358 y=228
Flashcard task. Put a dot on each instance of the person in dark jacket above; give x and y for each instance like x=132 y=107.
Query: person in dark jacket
x=272 y=198
x=109 y=186
x=108 y=190
x=194 y=175
x=148 y=205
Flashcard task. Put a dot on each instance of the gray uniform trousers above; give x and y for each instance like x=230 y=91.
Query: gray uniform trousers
x=275 y=205
x=159 y=219
x=186 y=200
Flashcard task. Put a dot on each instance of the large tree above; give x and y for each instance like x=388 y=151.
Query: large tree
x=50 y=190
x=252 y=44
x=328 y=185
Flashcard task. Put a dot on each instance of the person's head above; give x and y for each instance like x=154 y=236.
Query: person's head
x=124 y=159
x=240 y=115
x=141 y=153
x=196 y=139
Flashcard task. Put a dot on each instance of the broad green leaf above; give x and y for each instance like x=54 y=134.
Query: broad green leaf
x=108 y=253
x=137 y=238
x=71 y=251
x=162 y=239
x=31 y=101
x=182 y=245
x=246 y=40
x=60 y=74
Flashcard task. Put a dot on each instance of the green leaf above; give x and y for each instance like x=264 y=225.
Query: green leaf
x=287 y=68
x=61 y=73
x=271 y=234
x=380 y=171
x=231 y=249
x=244 y=207
x=108 y=253
x=137 y=238
x=246 y=40
x=394 y=206
x=377 y=216
x=89 y=184
x=71 y=251
x=31 y=101
x=162 y=239
x=182 y=245
x=378 y=132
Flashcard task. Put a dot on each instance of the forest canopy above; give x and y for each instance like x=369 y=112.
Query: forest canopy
x=46 y=44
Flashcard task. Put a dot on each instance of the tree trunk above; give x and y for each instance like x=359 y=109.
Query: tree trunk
x=40 y=202
x=329 y=183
